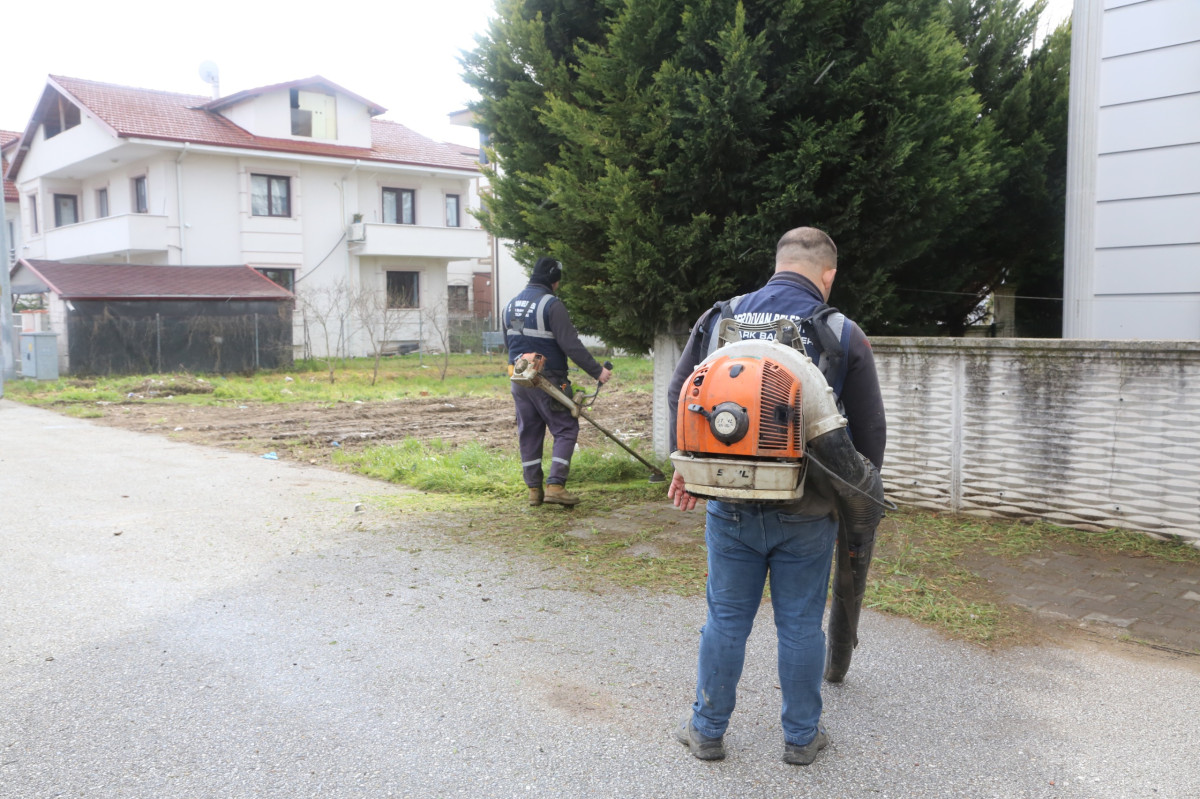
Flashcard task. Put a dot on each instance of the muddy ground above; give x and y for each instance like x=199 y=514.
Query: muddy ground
x=311 y=432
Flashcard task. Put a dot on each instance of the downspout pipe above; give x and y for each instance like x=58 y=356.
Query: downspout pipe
x=179 y=201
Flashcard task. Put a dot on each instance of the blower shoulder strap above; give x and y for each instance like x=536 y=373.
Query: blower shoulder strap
x=828 y=324
x=710 y=323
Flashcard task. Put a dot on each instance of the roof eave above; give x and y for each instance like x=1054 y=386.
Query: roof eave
x=180 y=297
x=348 y=159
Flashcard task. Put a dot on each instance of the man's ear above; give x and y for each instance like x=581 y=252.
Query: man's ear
x=827 y=281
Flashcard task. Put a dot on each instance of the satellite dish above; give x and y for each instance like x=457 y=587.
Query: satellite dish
x=209 y=73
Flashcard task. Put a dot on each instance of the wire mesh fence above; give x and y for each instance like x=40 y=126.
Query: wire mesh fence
x=194 y=336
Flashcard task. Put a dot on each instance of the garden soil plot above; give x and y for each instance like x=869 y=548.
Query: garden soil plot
x=311 y=432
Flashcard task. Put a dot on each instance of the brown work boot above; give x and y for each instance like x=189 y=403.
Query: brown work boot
x=558 y=495
x=535 y=496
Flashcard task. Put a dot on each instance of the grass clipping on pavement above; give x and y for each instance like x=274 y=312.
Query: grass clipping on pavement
x=923 y=560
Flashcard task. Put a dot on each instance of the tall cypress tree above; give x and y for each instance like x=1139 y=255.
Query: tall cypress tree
x=660 y=147
x=1017 y=238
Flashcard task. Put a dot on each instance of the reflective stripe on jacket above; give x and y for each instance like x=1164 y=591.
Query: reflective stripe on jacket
x=527 y=330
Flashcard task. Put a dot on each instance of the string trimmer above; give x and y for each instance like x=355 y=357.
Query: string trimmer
x=527 y=371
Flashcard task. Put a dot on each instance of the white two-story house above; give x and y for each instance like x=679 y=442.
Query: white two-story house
x=12 y=205
x=301 y=181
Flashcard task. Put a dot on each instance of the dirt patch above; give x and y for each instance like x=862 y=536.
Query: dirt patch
x=312 y=432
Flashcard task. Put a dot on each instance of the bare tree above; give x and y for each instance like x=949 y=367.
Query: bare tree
x=328 y=309
x=378 y=316
x=434 y=319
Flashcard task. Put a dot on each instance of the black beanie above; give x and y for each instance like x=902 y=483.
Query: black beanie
x=547 y=271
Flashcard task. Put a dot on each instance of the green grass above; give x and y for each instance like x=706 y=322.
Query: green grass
x=921 y=567
x=472 y=470
x=308 y=381
x=480 y=491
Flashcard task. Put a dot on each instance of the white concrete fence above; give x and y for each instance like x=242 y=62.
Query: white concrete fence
x=1086 y=434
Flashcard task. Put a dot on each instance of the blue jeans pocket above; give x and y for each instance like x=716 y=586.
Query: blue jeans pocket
x=810 y=535
x=722 y=530
x=723 y=511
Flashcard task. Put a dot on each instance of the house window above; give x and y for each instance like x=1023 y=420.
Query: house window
x=270 y=195
x=399 y=206
x=33 y=215
x=403 y=289
x=314 y=115
x=458 y=299
x=64 y=115
x=452 y=210
x=101 y=203
x=282 y=277
x=141 y=199
x=66 y=209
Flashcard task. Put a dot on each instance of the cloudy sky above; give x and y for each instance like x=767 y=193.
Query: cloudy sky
x=401 y=54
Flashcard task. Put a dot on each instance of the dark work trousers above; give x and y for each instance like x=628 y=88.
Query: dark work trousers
x=537 y=410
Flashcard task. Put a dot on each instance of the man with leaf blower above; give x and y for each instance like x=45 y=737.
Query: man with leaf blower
x=840 y=501
x=536 y=321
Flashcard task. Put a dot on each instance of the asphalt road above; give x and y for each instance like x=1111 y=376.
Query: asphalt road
x=177 y=621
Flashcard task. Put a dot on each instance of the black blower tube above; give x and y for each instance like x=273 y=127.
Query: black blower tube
x=860 y=506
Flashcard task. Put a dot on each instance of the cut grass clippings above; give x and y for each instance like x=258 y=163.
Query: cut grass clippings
x=490 y=505
x=920 y=571
x=921 y=567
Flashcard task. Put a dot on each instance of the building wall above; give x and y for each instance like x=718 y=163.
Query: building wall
x=270 y=115
x=1133 y=223
x=212 y=224
x=1086 y=434
x=428 y=323
x=86 y=140
x=13 y=234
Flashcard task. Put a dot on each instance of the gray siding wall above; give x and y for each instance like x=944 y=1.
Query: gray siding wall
x=1138 y=272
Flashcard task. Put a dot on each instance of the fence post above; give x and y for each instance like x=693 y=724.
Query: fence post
x=256 y=362
x=158 y=342
x=957 y=404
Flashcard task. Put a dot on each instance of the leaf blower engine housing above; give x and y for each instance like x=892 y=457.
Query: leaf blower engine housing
x=746 y=416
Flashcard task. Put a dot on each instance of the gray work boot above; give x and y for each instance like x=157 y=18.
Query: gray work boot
x=557 y=495
x=701 y=746
x=536 y=495
x=804 y=755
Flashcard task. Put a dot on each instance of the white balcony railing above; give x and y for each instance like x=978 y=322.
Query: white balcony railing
x=124 y=233
x=452 y=243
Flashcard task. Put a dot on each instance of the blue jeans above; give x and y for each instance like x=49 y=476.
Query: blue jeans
x=746 y=543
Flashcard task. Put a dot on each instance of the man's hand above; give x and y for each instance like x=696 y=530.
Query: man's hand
x=605 y=374
x=679 y=495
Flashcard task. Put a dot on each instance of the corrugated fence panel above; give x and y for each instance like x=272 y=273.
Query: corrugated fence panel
x=1083 y=433
x=919 y=395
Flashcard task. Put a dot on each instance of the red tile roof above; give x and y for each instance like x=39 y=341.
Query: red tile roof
x=149 y=114
x=141 y=282
x=10 y=188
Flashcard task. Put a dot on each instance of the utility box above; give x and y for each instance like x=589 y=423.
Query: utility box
x=39 y=356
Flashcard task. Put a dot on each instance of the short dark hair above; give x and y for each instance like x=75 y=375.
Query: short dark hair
x=806 y=244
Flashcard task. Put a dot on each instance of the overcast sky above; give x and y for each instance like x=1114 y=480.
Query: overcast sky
x=401 y=54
